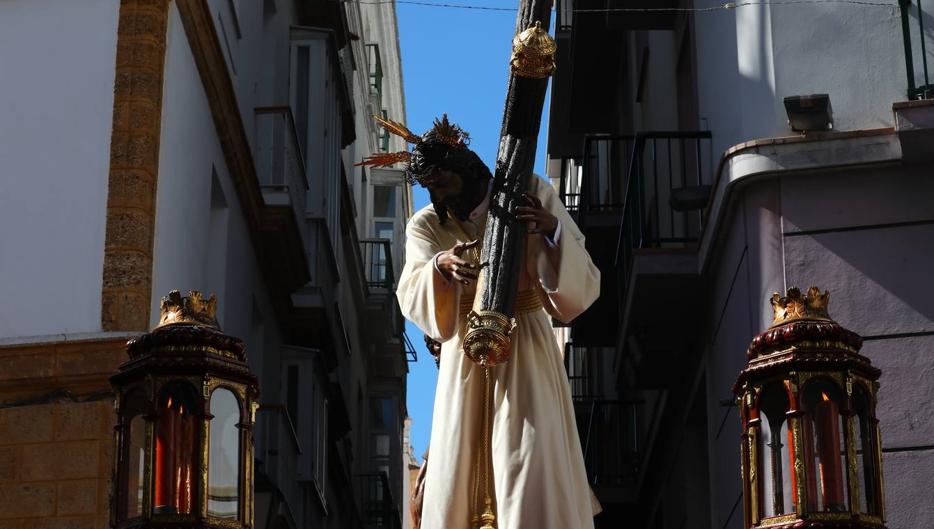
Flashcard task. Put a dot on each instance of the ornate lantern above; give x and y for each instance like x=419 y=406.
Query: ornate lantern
x=811 y=449
x=185 y=403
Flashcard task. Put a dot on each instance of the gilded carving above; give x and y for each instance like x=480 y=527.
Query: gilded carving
x=134 y=157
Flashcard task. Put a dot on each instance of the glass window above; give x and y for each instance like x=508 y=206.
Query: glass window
x=775 y=449
x=224 y=457
x=866 y=452
x=176 y=432
x=381 y=413
x=384 y=230
x=825 y=447
x=384 y=201
x=381 y=445
x=135 y=443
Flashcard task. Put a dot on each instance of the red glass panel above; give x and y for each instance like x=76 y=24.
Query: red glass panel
x=175 y=455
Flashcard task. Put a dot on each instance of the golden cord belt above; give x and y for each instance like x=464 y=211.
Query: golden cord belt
x=526 y=301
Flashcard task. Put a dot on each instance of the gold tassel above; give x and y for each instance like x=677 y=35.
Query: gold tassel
x=487 y=518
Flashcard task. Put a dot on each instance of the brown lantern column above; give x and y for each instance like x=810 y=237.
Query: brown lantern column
x=185 y=404
x=811 y=451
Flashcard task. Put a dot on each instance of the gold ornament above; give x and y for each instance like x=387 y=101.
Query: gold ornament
x=190 y=309
x=533 y=53
x=795 y=306
x=487 y=341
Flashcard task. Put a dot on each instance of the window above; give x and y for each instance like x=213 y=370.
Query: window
x=135 y=443
x=866 y=452
x=375 y=65
x=305 y=399
x=224 y=455
x=301 y=97
x=775 y=449
x=384 y=201
x=381 y=413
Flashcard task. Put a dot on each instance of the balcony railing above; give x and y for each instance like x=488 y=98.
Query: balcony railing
x=377 y=263
x=611 y=439
x=279 y=163
x=379 y=510
x=579 y=363
x=411 y=355
x=916 y=46
x=278 y=449
x=667 y=189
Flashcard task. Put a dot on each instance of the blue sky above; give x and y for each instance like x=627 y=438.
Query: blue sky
x=454 y=61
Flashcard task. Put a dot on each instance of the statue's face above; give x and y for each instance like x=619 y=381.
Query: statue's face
x=446 y=186
x=456 y=193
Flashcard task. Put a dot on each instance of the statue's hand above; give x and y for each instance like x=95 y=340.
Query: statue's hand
x=418 y=497
x=452 y=265
x=539 y=219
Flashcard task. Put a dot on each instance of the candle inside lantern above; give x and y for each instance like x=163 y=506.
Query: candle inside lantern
x=827 y=422
x=185 y=444
x=166 y=449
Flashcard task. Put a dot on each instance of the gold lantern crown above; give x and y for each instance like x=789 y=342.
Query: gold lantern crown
x=796 y=307
x=533 y=53
x=192 y=309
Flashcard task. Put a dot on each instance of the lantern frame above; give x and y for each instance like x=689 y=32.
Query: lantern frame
x=804 y=346
x=187 y=348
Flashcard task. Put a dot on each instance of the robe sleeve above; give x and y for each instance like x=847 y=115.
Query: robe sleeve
x=565 y=272
x=426 y=297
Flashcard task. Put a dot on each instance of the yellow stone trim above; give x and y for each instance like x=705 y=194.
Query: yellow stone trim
x=134 y=165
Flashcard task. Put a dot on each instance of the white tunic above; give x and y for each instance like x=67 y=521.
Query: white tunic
x=539 y=475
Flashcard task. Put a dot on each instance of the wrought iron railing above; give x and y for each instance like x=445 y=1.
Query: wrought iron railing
x=411 y=354
x=604 y=168
x=279 y=164
x=578 y=361
x=569 y=185
x=379 y=509
x=667 y=190
x=916 y=45
x=377 y=263
x=611 y=439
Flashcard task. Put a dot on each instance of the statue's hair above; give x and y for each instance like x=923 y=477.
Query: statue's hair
x=428 y=157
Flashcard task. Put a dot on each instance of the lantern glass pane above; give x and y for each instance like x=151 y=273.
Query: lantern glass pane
x=136 y=459
x=774 y=450
x=824 y=430
x=865 y=452
x=224 y=456
x=176 y=432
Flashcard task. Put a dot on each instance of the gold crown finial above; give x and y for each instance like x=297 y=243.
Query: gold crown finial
x=794 y=306
x=533 y=53
x=192 y=309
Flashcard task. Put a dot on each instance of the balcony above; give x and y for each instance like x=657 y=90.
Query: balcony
x=379 y=509
x=916 y=43
x=644 y=195
x=281 y=174
x=279 y=163
x=611 y=438
x=377 y=265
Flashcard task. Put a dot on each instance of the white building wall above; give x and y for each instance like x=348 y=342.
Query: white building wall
x=750 y=58
x=57 y=62
x=189 y=251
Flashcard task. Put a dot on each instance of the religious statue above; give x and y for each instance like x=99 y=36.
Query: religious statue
x=504 y=440
x=488 y=264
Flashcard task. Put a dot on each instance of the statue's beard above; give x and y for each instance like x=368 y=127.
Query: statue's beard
x=462 y=204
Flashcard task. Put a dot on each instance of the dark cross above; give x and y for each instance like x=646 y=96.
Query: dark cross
x=504 y=238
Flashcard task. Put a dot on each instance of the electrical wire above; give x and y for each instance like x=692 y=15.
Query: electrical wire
x=721 y=7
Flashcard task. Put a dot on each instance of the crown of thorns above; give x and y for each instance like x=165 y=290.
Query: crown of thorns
x=438 y=143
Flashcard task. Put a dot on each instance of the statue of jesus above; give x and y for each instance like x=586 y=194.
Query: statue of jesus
x=537 y=469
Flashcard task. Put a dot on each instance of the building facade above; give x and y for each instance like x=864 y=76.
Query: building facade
x=699 y=201
x=154 y=145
